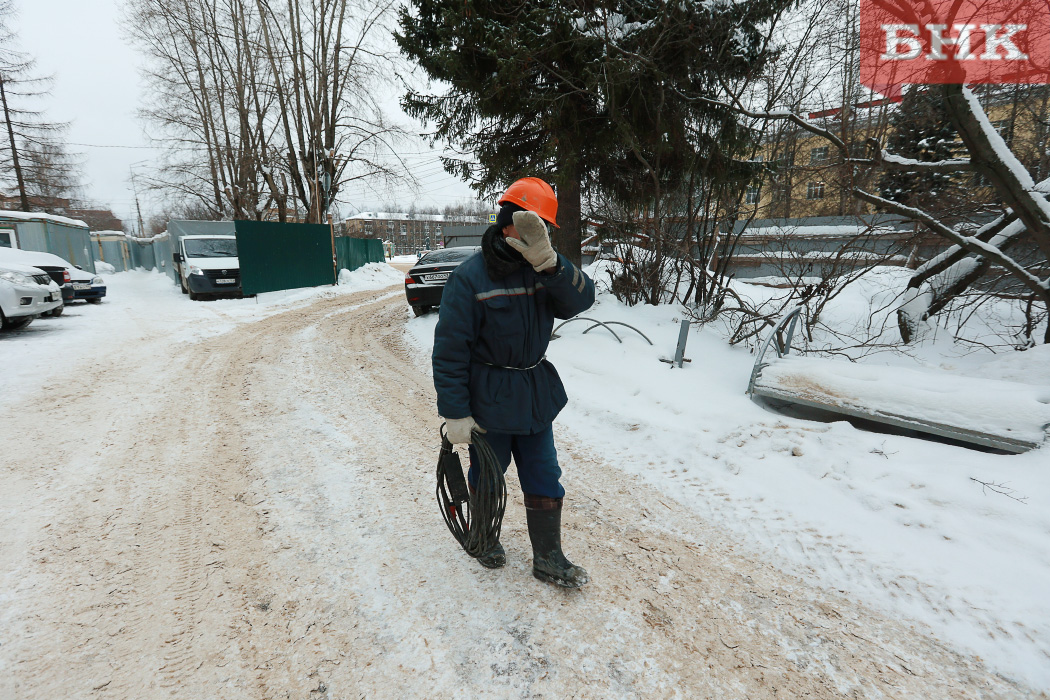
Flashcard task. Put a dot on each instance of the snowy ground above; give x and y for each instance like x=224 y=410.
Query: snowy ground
x=896 y=521
x=234 y=498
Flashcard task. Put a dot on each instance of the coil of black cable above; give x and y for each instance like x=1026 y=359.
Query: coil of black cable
x=473 y=516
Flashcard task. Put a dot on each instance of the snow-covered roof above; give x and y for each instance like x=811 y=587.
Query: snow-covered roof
x=396 y=216
x=839 y=231
x=40 y=216
x=146 y=240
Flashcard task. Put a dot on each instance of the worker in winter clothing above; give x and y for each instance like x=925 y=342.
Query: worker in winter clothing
x=496 y=318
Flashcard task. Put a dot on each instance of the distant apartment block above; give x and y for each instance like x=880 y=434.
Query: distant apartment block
x=406 y=233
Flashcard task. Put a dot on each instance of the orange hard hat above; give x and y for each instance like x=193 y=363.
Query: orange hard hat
x=535 y=195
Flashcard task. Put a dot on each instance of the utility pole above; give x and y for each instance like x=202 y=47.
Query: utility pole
x=14 y=149
x=142 y=231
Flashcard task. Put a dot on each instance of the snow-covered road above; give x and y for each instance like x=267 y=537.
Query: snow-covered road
x=240 y=504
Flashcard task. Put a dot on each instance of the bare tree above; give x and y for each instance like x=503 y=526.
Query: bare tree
x=268 y=108
x=35 y=154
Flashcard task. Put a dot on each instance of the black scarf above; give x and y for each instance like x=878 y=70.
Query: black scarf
x=500 y=259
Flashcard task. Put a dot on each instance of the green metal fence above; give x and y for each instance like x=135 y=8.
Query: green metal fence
x=275 y=256
x=352 y=253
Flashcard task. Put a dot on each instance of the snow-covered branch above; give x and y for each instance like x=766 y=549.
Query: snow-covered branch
x=889 y=161
x=969 y=243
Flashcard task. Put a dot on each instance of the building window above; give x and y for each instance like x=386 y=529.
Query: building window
x=815 y=190
x=818 y=155
x=785 y=160
x=753 y=195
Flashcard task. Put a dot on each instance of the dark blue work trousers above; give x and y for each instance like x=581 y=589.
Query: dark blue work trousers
x=534 y=456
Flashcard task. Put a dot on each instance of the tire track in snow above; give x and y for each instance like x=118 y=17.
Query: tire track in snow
x=674 y=610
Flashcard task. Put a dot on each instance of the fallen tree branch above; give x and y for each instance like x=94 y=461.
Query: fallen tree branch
x=1001 y=489
x=971 y=243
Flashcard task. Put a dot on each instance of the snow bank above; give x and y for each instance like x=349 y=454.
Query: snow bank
x=370 y=276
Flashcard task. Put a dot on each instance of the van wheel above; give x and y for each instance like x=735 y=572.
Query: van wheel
x=57 y=312
x=182 y=286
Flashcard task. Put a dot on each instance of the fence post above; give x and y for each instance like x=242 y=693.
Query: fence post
x=683 y=335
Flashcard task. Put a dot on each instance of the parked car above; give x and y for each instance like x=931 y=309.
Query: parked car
x=86 y=286
x=25 y=293
x=57 y=268
x=426 y=280
x=77 y=284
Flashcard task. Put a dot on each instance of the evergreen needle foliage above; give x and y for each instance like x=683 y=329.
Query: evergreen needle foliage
x=596 y=95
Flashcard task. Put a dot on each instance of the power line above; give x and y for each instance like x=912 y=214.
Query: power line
x=101 y=145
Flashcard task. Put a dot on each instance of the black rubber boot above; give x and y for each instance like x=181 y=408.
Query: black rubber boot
x=548 y=562
x=495 y=558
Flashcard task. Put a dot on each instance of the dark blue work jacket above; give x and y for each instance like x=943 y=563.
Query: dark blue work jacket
x=486 y=327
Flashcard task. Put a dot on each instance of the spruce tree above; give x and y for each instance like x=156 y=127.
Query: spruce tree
x=584 y=93
x=921 y=130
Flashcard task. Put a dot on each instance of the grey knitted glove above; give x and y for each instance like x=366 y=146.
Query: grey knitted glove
x=535 y=244
x=458 y=429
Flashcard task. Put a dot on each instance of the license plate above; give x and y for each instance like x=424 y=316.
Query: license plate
x=436 y=277
x=81 y=286
x=225 y=280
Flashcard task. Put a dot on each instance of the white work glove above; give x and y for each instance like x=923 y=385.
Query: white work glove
x=458 y=429
x=535 y=244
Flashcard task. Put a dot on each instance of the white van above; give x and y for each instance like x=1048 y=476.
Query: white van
x=207 y=265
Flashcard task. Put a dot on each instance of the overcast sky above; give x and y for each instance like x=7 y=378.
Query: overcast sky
x=97 y=88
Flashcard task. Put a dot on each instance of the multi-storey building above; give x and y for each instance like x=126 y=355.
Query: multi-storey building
x=406 y=233
x=808 y=178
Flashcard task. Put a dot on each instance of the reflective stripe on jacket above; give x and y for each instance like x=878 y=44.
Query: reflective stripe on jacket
x=486 y=326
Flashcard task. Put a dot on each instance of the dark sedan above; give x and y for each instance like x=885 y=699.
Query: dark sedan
x=426 y=280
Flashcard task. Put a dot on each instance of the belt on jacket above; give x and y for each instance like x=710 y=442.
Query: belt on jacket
x=519 y=369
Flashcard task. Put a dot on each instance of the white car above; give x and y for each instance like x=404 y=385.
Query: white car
x=77 y=284
x=25 y=293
